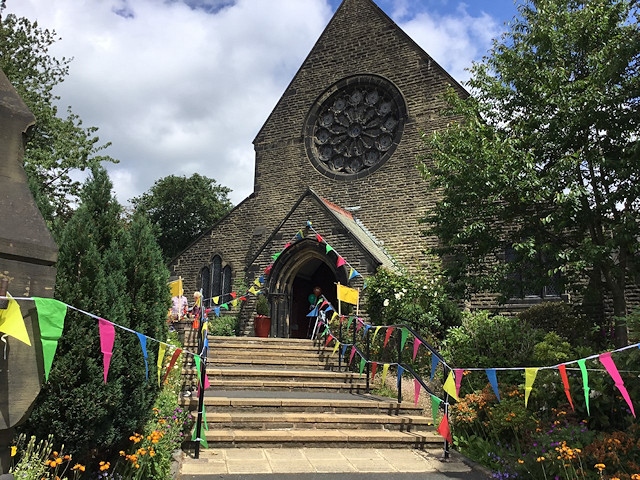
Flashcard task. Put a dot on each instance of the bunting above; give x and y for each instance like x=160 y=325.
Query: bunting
x=107 y=339
x=445 y=430
x=162 y=348
x=416 y=391
x=493 y=380
x=529 y=378
x=143 y=345
x=51 y=315
x=12 y=323
x=610 y=366
x=585 y=382
x=416 y=345
x=387 y=336
x=565 y=382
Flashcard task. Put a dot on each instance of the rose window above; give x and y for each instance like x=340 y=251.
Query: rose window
x=356 y=128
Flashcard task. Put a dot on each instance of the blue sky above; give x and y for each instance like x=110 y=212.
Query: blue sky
x=183 y=86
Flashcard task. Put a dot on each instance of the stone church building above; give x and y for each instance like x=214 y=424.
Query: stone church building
x=336 y=190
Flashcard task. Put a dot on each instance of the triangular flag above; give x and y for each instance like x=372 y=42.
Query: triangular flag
x=343 y=350
x=328 y=248
x=216 y=311
x=529 y=378
x=375 y=332
x=450 y=386
x=145 y=355
x=335 y=348
x=51 y=314
x=275 y=256
x=225 y=306
x=267 y=270
x=435 y=405
x=319 y=238
x=385 y=370
x=328 y=341
x=162 y=348
x=565 y=382
x=12 y=323
x=458 y=372
x=349 y=323
x=234 y=302
x=257 y=282
x=435 y=361
x=585 y=382
x=233 y=295
x=172 y=362
x=340 y=261
x=399 y=378
x=253 y=290
x=286 y=245
x=610 y=366
x=374 y=369
x=353 y=352
x=444 y=430
x=313 y=313
x=216 y=300
x=416 y=345
x=199 y=370
x=107 y=339
x=403 y=338
x=387 y=336
x=363 y=362
x=416 y=391
x=353 y=273
x=493 y=380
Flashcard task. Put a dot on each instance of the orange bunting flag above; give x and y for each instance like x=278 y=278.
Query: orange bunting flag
x=172 y=362
x=387 y=336
x=565 y=383
x=329 y=338
x=444 y=430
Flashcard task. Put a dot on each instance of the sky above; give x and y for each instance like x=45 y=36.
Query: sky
x=183 y=86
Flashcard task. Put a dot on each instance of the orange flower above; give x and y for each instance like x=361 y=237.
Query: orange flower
x=599 y=466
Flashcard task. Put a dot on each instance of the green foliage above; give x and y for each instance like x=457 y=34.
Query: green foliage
x=262 y=306
x=542 y=155
x=57 y=146
x=181 y=208
x=418 y=300
x=225 y=326
x=117 y=274
x=561 y=318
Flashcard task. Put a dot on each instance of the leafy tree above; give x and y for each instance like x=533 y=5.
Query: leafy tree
x=117 y=274
x=543 y=159
x=56 y=146
x=182 y=208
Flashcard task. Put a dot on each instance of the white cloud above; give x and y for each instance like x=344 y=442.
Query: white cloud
x=181 y=88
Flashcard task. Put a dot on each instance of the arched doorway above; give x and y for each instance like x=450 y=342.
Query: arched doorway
x=293 y=277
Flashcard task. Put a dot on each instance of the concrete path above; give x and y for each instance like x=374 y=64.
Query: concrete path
x=327 y=463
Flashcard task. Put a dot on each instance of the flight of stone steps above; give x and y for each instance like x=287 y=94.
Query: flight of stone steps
x=270 y=392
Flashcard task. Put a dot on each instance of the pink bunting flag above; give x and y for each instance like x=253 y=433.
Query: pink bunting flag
x=340 y=262
x=107 y=339
x=610 y=366
x=565 y=382
x=416 y=345
x=416 y=391
x=458 y=374
x=387 y=336
x=353 y=352
x=445 y=430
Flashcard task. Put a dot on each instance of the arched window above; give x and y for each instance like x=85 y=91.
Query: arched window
x=205 y=284
x=216 y=276
x=226 y=282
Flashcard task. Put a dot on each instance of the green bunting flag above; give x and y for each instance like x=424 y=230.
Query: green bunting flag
x=585 y=382
x=51 y=314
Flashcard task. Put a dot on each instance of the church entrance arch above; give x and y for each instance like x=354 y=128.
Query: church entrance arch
x=294 y=275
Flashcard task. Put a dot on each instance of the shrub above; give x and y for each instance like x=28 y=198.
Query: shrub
x=561 y=318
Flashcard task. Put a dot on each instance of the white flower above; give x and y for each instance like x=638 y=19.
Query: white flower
x=386 y=302
x=398 y=296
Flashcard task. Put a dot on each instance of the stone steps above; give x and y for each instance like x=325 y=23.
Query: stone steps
x=287 y=392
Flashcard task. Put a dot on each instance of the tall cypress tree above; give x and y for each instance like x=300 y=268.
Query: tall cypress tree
x=117 y=274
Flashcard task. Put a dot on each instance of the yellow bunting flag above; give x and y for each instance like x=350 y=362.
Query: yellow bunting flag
x=450 y=386
x=348 y=295
x=176 y=288
x=375 y=332
x=385 y=369
x=335 y=348
x=161 y=351
x=216 y=300
x=529 y=378
x=12 y=323
x=253 y=290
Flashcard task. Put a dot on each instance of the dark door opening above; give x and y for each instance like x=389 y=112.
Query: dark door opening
x=316 y=273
